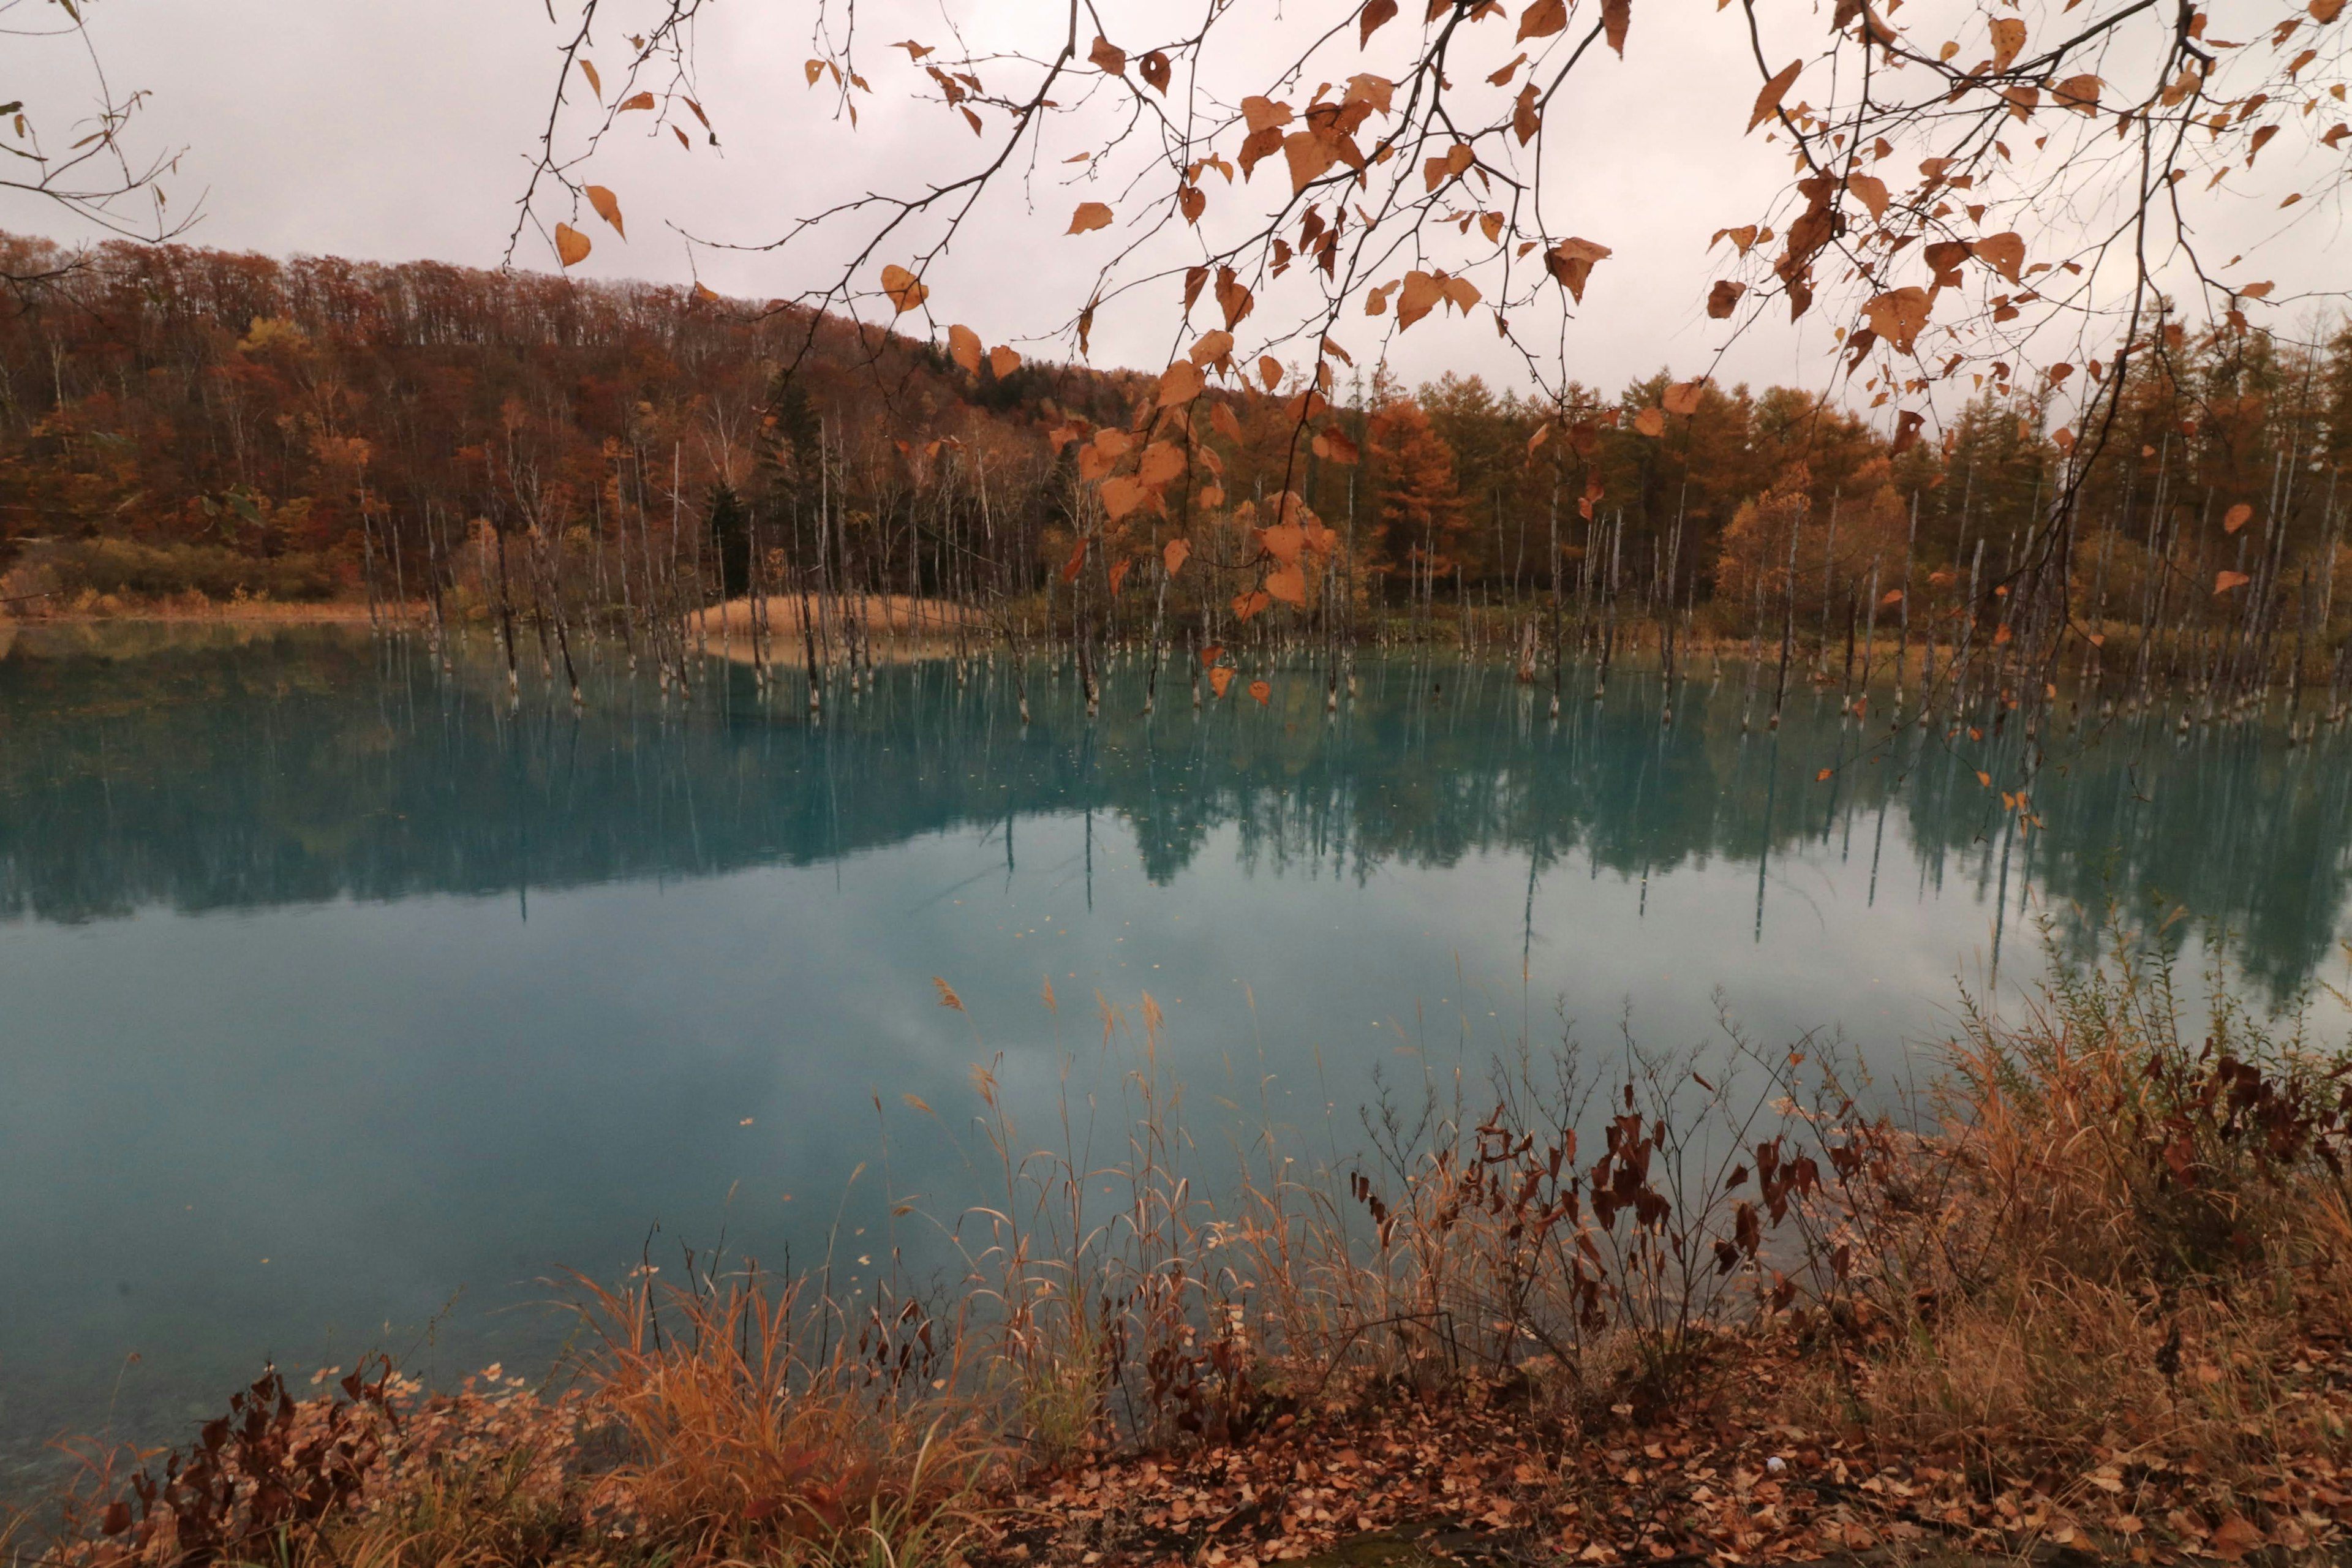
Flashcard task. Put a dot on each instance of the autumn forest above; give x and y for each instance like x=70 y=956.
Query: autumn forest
x=185 y=427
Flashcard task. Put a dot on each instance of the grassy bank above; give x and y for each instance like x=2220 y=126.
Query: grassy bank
x=2089 y=1293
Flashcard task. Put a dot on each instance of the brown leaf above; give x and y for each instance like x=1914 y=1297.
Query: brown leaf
x=1615 y=16
x=1192 y=201
x=1767 y=101
x=1376 y=15
x=1682 y=397
x=1870 y=191
x=1077 y=560
x=571 y=245
x=1119 y=575
x=1724 y=298
x=1269 y=371
x=1651 y=422
x=1906 y=435
x=1175 y=554
x=1107 y=56
x=1222 y=420
x=608 y=208
x=1088 y=216
x=1542 y=19
x=1418 y=297
x=914 y=51
x=1898 y=316
x=1310 y=157
x=2004 y=253
x=2079 y=93
x=2007 y=40
x=1002 y=362
x=1287 y=584
x=1458 y=159
x=635 y=101
x=2236 y=517
x=1334 y=447
x=963 y=347
x=1156 y=72
x=905 y=290
x=2325 y=11
x=1376 y=90
x=1162 y=465
x=1233 y=298
x=1213 y=347
x=1122 y=494
x=1179 y=384
x=1571 y=263
x=2236 y=1536
x=588 y=69
x=2225 y=581
x=1524 y=120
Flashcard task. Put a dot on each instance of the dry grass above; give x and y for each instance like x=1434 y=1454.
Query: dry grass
x=2117 y=1246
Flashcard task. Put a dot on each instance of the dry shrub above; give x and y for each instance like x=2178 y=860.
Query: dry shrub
x=750 y=1424
x=2114 y=1242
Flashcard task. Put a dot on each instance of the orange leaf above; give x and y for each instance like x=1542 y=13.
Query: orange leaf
x=2236 y=518
x=588 y=69
x=1269 y=371
x=1002 y=362
x=1177 y=553
x=1822 y=775
x=1077 y=560
x=1222 y=677
x=570 y=245
x=638 y=101
x=963 y=347
x=1122 y=495
x=1119 y=575
x=1376 y=13
x=1246 y=606
x=1682 y=397
x=1179 y=384
x=1089 y=215
x=1213 y=652
x=905 y=290
x=1287 y=584
x=607 y=204
x=2225 y=581
x=1261 y=690
x=1650 y=422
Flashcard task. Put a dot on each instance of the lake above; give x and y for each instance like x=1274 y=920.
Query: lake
x=344 y=1004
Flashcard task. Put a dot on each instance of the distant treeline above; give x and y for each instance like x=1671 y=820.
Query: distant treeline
x=183 y=420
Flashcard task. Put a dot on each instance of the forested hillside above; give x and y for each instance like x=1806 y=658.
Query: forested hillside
x=177 y=421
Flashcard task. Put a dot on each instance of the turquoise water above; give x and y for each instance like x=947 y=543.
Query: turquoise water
x=344 y=1004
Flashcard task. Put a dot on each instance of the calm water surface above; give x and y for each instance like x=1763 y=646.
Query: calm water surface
x=342 y=1004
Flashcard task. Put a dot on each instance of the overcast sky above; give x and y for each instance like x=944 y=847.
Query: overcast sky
x=396 y=132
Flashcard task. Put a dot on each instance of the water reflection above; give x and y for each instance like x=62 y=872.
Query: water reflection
x=221 y=772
